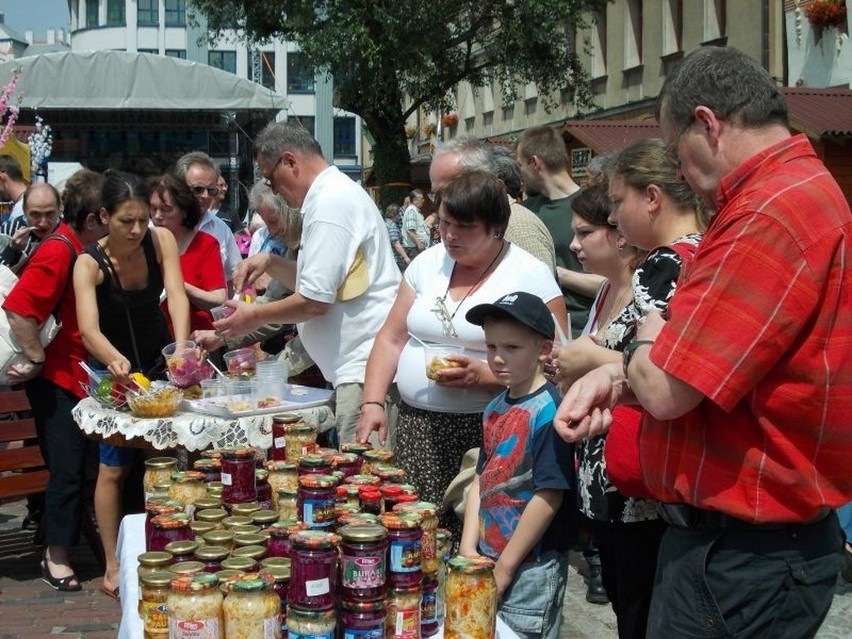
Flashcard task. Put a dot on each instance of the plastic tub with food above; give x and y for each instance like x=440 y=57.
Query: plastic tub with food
x=438 y=358
x=157 y=402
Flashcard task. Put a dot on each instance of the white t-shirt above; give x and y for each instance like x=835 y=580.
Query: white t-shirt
x=338 y=219
x=231 y=256
x=429 y=275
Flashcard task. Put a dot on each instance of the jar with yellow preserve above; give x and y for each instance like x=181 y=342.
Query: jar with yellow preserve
x=428 y=542
x=195 y=607
x=187 y=487
x=282 y=474
x=403 y=613
x=251 y=609
x=305 y=623
x=280 y=425
x=150 y=562
x=300 y=439
x=471 y=599
x=153 y=604
x=287 y=504
x=158 y=470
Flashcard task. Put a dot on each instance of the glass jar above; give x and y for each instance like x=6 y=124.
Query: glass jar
x=238 y=475
x=181 y=551
x=375 y=456
x=299 y=439
x=223 y=538
x=429 y=524
x=444 y=546
x=403 y=608
x=215 y=490
x=362 y=619
x=153 y=604
x=359 y=448
x=390 y=493
x=158 y=470
x=389 y=474
x=282 y=474
x=251 y=609
x=186 y=568
x=210 y=468
x=278 y=544
x=195 y=607
x=288 y=503
x=313 y=569
x=161 y=489
x=347 y=463
x=281 y=574
x=240 y=564
x=264 y=518
x=305 y=623
x=471 y=606
x=280 y=424
x=235 y=521
x=154 y=507
x=371 y=499
x=213 y=515
x=201 y=528
x=244 y=509
x=315 y=501
x=264 y=490
x=212 y=557
x=404 y=539
x=363 y=480
x=429 y=624
x=151 y=562
x=349 y=494
x=253 y=538
x=228 y=573
x=168 y=528
x=186 y=488
x=313 y=465
x=363 y=562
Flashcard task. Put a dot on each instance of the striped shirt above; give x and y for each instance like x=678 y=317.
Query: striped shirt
x=761 y=325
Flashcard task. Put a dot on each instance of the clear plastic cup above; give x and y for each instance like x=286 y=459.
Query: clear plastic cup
x=436 y=356
x=241 y=362
x=211 y=388
x=221 y=312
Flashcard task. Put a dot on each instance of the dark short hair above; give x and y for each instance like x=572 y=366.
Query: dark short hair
x=727 y=81
x=81 y=196
x=38 y=185
x=120 y=187
x=284 y=136
x=11 y=167
x=475 y=196
x=181 y=195
x=593 y=204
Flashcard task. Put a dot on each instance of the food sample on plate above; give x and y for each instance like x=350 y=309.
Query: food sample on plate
x=268 y=402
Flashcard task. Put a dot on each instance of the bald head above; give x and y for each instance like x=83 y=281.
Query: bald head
x=41 y=208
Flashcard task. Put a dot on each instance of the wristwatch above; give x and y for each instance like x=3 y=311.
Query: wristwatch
x=627 y=353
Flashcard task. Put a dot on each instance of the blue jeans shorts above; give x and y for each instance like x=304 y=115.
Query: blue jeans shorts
x=532 y=605
x=115 y=455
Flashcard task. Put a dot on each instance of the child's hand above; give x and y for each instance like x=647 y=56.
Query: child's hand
x=503 y=575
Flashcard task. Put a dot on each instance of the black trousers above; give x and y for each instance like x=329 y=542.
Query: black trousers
x=71 y=457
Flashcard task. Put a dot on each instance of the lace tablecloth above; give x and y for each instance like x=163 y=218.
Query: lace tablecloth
x=192 y=431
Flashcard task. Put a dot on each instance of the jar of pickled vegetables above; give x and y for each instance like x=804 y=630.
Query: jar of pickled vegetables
x=212 y=557
x=238 y=475
x=158 y=470
x=210 y=468
x=306 y=623
x=313 y=569
x=282 y=474
x=403 y=609
x=168 y=528
x=363 y=562
x=264 y=490
x=429 y=623
x=429 y=523
x=313 y=465
x=251 y=609
x=181 y=551
x=404 y=547
x=288 y=504
x=281 y=574
x=280 y=424
x=220 y=537
x=362 y=619
x=186 y=488
x=299 y=439
x=195 y=607
x=315 y=501
x=471 y=604
x=375 y=456
x=150 y=562
x=389 y=474
x=371 y=499
x=153 y=604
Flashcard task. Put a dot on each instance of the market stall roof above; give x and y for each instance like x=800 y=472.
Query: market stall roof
x=112 y=80
x=820 y=111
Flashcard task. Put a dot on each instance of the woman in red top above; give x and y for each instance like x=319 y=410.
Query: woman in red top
x=174 y=207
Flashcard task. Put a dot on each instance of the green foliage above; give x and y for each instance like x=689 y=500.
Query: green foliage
x=390 y=57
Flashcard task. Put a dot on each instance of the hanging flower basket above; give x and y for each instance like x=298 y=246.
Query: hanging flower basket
x=449 y=120
x=826 y=13
x=429 y=129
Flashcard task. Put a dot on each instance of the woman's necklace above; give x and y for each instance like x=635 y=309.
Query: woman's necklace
x=615 y=307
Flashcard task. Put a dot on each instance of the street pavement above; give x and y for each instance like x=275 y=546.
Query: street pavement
x=29 y=609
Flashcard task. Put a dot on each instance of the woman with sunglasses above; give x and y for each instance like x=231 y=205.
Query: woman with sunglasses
x=441 y=418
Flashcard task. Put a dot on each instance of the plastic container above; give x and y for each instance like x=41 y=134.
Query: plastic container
x=184 y=364
x=195 y=607
x=280 y=424
x=362 y=619
x=241 y=362
x=437 y=358
x=471 y=605
x=363 y=562
x=313 y=570
x=315 y=501
x=306 y=623
x=403 y=613
x=238 y=475
x=404 y=548
x=251 y=609
x=154 y=589
x=158 y=470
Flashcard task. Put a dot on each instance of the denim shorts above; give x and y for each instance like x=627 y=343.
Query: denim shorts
x=532 y=605
x=115 y=455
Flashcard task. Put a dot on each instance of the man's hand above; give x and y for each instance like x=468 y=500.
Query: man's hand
x=208 y=340
x=20 y=373
x=243 y=321
x=586 y=408
x=250 y=269
x=20 y=238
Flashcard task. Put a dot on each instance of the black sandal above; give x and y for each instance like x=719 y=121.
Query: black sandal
x=62 y=585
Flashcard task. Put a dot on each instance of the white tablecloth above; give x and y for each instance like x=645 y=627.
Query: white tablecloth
x=131 y=544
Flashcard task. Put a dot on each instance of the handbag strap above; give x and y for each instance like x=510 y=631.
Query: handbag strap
x=53 y=236
x=105 y=259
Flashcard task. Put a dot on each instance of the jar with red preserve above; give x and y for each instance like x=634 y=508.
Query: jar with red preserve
x=389 y=474
x=313 y=569
x=363 y=562
x=347 y=463
x=314 y=465
x=362 y=619
x=212 y=557
x=279 y=536
x=315 y=501
x=264 y=490
x=154 y=507
x=390 y=494
x=168 y=528
x=181 y=551
x=371 y=499
x=403 y=608
x=404 y=539
x=238 y=475
x=211 y=468
x=280 y=425
x=429 y=523
x=375 y=456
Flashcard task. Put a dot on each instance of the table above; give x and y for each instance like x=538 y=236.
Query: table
x=192 y=431
x=131 y=544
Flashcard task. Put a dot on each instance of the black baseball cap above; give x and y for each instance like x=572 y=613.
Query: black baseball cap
x=525 y=308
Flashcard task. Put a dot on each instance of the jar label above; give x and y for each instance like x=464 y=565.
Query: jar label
x=197 y=629
x=155 y=617
x=371 y=633
x=429 y=606
x=407 y=624
x=279 y=442
x=318 y=513
x=363 y=572
x=317 y=587
x=226 y=479
x=405 y=556
x=292 y=634
x=309 y=449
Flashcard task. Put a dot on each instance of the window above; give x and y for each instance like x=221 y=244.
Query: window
x=344 y=136
x=672 y=26
x=175 y=13
x=225 y=60
x=91 y=14
x=307 y=121
x=714 y=19
x=115 y=13
x=267 y=70
x=300 y=77
x=633 y=34
x=176 y=53
x=153 y=51
x=148 y=12
x=598 y=45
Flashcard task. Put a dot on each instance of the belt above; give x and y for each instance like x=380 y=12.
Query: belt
x=687 y=516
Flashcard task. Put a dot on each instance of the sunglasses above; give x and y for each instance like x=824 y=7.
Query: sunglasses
x=211 y=190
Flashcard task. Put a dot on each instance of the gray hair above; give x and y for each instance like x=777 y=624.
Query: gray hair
x=598 y=165
x=193 y=158
x=473 y=154
x=291 y=219
x=278 y=137
x=507 y=169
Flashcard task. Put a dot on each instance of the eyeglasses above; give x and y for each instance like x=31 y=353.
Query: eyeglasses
x=211 y=190
x=443 y=314
x=671 y=149
x=268 y=180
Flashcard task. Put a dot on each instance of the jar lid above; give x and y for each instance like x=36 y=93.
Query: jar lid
x=279 y=573
x=202 y=527
x=387 y=471
x=261 y=475
x=471 y=564
x=157 y=579
x=186 y=567
x=251 y=551
x=235 y=520
x=244 y=509
x=250 y=582
x=207 y=502
x=183 y=547
x=369 y=492
x=407 y=499
x=211 y=553
x=160 y=462
x=280 y=466
x=227 y=573
x=363 y=480
x=210 y=514
x=311 y=613
x=391 y=490
x=218 y=537
x=241 y=563
x=341 y=510
x=317 y=481
x=286 y=418
x=358 y=519
x=264 y=517
x=161 y=506
x=171 y=520
x=313 y=461
x=245 y=452
x=245 y=529
x=378 y=455
x=314 y=539
x=214 y=487
x=207 y=464
x=194 y=583
x=408 y=489
x=363 y=606
x=163 y=486
x=299 y=428
x=250 y=539
x=364 y=533
x=279 y=529
x=356 y=447
x=212 y=453
x=187 y=476
x=276 y=562
x=400 y=521
x=155 y=558
x=287 y=492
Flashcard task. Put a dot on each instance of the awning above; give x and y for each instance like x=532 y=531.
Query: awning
x=113 y=80
x=609 y=136
x=819 y=112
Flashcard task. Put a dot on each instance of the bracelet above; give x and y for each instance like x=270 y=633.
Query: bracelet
x=382 y=404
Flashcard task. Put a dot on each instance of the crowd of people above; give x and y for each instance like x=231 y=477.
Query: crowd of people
x=655 y=362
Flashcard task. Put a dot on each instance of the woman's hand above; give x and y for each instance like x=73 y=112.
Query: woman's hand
x=575 y=359
x=250 y=269
x=373 y=418
x=468 y=374
x=119 y=369
x=208 y=340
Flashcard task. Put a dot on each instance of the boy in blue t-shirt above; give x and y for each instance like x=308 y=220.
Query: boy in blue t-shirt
x=521 y=505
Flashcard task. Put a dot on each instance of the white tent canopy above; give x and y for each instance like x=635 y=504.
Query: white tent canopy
x=109 y=80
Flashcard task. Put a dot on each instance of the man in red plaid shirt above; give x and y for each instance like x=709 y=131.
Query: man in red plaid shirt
x=747 y=385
